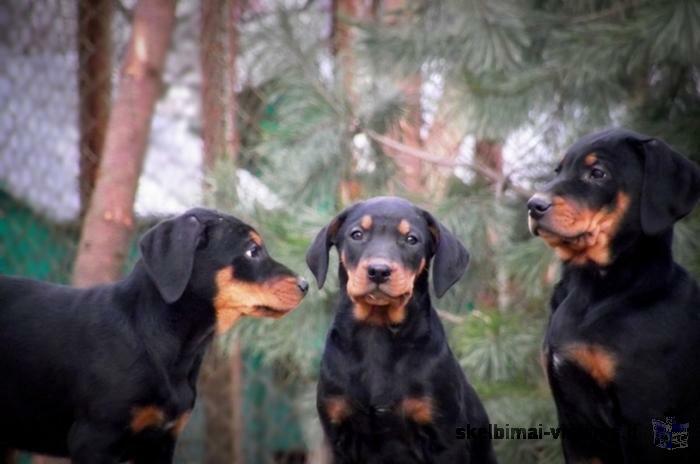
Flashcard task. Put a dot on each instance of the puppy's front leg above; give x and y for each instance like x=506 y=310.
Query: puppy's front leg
x=90 y=443
x=155 y=450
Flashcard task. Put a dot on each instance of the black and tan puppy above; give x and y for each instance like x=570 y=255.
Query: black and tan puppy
x=390 y=390
x=108 y=374
x=621 y=348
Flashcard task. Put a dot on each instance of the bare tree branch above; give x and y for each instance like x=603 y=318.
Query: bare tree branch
x=490 y=174
x=450 y=317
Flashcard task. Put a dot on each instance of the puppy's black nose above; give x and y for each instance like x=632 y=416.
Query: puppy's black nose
x=303 y=285
x=378 y=273
x=538 y=206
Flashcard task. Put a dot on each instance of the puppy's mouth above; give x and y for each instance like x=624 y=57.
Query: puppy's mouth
x=268 y=311
x=381 y=297
x=539 y=230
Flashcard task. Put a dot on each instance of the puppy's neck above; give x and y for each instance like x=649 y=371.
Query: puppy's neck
x=180 y=327
x=641 y=263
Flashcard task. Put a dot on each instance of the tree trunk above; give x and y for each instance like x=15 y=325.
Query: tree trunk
x=218 y=50
x=342 y=41
x=109 y=220
x=221 y=380
x=236 y=391
x=220 y=387
x=489 y=153
x=407 y=129
x=94 y=88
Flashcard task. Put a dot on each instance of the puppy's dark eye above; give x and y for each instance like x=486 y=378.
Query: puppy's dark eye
x=357 y=235
x=597 y=173
x=411 y=239
x=254 y=251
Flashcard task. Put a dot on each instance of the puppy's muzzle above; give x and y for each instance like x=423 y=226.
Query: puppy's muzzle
x=538 y=206
x=378 y=272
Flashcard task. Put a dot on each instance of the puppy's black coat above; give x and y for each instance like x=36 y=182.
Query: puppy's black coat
x=109 y=373
x=390 y=389
x=622 y=343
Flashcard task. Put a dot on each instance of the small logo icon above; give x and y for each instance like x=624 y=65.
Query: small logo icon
x=669 y=434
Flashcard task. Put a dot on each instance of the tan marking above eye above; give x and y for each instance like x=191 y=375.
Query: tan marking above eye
x=337 y=409
x=404 y=227
x=366 y=222
x=599 y=362
x=144 y=417
x=256 y=238
x=419 y=410
x=590 y=159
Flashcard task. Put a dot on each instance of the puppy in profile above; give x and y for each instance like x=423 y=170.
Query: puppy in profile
x=390 y=389
x=622 y=343
x=108 y=374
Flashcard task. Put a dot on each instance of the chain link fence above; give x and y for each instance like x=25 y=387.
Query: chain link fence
x=60 y=64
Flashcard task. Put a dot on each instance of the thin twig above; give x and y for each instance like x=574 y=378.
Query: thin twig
x=601 y=14
x=450 y=317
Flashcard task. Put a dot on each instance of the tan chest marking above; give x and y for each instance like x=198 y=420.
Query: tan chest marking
x=145 y=417
x=153 y=417
x=598 y=362
x=419 y=410
x=181 y=423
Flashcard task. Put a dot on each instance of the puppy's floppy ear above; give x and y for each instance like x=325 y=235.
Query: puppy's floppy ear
x=168 y=254
x=450 y=257
x=317 y=254
x=670 y=189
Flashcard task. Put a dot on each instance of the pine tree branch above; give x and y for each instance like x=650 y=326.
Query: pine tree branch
x=309 y=73
x=495 y=177
x=604 y=14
